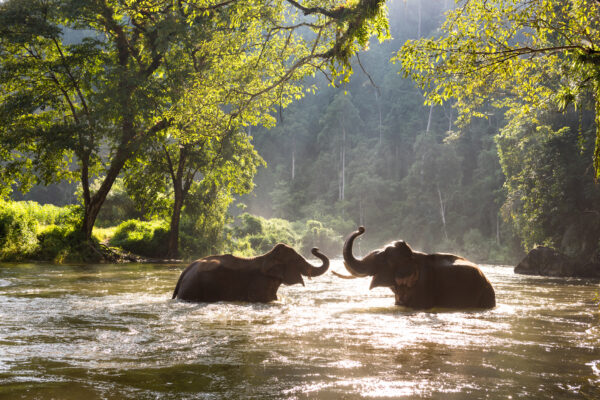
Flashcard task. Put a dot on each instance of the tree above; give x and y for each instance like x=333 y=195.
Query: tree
x=551 y=198
x=172 y=172
x=521 y=56
x=431 y=189
x=81 y=110
x=340 y=121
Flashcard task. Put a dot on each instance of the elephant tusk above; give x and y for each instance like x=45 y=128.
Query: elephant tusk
x=344 y=276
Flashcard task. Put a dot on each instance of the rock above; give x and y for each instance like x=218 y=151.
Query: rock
x=548 y=262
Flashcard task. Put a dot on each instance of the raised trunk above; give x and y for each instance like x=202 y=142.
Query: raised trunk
x=354 y=266
x=316 y=271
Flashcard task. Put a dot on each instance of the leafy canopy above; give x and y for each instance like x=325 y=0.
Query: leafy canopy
x=521 y=56
x=85 y=84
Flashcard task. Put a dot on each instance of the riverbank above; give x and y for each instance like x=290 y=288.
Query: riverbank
x=33 y=232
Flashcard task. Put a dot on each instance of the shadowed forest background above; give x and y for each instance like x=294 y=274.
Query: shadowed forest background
x=368 y=152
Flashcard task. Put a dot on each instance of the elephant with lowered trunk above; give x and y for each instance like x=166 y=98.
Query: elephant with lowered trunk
x=229 y=278
x=421 y=280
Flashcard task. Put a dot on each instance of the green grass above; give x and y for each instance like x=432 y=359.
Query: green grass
x=103 y=235
x=30 y=231
x=144 y=238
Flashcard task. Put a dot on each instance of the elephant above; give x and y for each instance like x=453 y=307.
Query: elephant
x=229 y=278
x=420 y=280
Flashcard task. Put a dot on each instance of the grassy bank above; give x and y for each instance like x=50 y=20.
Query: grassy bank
x=33 y=232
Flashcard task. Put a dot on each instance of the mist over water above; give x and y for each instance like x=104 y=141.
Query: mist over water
x=112 y=331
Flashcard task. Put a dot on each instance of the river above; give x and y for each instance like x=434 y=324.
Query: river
x=112 y=331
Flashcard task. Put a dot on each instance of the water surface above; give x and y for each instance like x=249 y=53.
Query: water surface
x=112 y=331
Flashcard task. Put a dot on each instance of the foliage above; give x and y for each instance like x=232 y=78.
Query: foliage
x=144 y=238
x=519 y=56
x=248 y=225
x=253 y=235
x=175 y=172
x=18 y=231
x=63 y=243
x=551 y=198
x=86 y=84
x=204 y=221
x=325 y=239
x=32 y=231
x=118 y=206
x=396 y=162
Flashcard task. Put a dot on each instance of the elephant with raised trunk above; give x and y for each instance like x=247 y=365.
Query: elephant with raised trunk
x=421 y=280
x=229 y=278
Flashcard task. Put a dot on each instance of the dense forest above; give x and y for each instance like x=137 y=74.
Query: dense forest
x=372 y=153
x=365 y=151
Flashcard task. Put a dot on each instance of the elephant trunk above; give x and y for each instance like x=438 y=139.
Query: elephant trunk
x=316 y=271
x=356 y=267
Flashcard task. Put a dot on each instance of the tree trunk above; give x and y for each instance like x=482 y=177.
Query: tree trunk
x=92 y=208
x=429 y=119
x=173 y=249
x=343 y=165
x=180 y=193
x=449 y=116
x=380 y=116
x=293 y=156
x=361 y=212
x=497 y=229
x=420 y=17
x=442 y=212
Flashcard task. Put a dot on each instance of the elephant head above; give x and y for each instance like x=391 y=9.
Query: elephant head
x=388 y=266
x=285 y=264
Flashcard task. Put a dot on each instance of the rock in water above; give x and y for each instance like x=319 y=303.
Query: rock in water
x=548 y=262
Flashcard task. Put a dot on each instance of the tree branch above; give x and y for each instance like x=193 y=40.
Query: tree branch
x=335 y=14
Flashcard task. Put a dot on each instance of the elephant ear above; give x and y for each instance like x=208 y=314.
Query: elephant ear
x=288 y=275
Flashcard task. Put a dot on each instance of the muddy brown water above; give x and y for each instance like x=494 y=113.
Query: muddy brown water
x=112 y=331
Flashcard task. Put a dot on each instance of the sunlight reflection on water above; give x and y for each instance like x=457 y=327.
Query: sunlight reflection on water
x=113 y=331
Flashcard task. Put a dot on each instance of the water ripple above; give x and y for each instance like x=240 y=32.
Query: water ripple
x=113 y=331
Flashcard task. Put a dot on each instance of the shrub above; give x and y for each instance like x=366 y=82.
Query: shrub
x=144 y=238
x=277 y=230
x=326 y=239
x=18 y=230
x=25 y=228
x=476 y=246
x=202 y=227
x=248 y=225
x=64 y=243
x=255 y=235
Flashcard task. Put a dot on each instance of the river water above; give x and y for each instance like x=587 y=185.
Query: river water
x=112 y=331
